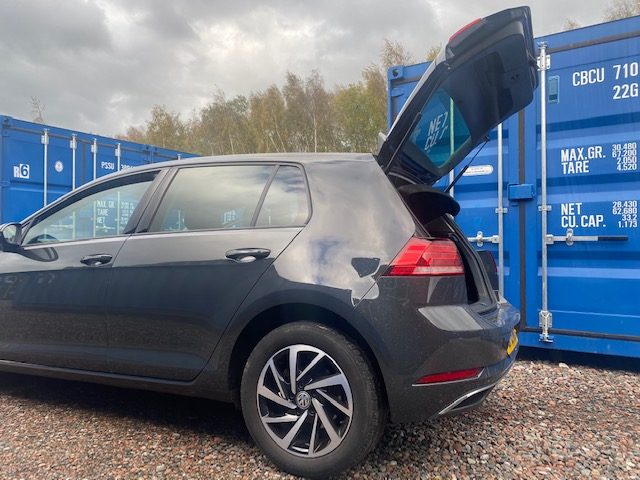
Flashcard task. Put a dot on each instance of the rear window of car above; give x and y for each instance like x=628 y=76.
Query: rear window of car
x=229 y=196
x=441 y=130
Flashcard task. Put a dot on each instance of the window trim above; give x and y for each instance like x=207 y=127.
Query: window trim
x=154 y=204
x=75 y=196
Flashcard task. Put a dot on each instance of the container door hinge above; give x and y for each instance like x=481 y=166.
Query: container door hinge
x=544 y=64
x=545 y=318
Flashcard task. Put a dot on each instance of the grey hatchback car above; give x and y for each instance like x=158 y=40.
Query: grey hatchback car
x=325 y=294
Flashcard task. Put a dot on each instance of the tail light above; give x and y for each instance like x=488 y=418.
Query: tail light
x=467 y=29
x=427 y=258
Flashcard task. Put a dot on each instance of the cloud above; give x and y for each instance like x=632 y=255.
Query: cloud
x=101 y=65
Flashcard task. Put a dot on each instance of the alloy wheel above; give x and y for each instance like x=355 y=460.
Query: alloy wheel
x=304 y=401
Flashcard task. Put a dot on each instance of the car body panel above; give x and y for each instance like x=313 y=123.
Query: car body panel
x=335 y=263
x=177 y=309
x=433 y=339
x=53 y=305
x=172 y=295
x=484 y=74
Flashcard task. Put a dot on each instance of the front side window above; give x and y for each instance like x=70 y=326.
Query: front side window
x=101 y=214
x=212 y=198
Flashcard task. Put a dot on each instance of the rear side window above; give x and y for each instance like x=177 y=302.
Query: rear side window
x=286 y=202
x=212 y=197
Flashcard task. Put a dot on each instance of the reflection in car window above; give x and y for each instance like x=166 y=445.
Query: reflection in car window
x=441 y=129
x=286 y=201
x=102 y=214
x=212 y=197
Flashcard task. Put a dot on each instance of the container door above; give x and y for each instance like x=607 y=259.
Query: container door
x=589 y=251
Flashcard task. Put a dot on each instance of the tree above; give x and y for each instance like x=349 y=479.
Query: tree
x=308 y=113
x=134 y=134
x=432 y=52
x=394 y=53
x=37 y=110
x=298 y=116
x=165 y=129
x=322 y=118
x=301 y=116
x=618 y=9
x=570 y=24
x=222 y=127
x=361 y=111
x=267 y=120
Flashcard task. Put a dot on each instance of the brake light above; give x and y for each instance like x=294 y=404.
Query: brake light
x=450 y=376
x=428 y=258
x=468 y=26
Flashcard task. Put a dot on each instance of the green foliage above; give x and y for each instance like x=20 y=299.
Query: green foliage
x=300 y=116
x=165 y=129
x=432 y=52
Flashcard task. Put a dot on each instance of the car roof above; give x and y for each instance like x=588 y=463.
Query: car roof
x=303 y=158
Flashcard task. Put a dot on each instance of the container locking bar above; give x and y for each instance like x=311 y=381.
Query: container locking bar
x=545 y=317
x=480 y=239
x=570 y=238
x=73 y=145
x=44 y=139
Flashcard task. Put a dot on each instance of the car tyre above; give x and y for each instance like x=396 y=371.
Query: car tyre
x=336 y=423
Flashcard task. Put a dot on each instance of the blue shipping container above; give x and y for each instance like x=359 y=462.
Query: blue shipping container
x=575 y=280
x=39 y=163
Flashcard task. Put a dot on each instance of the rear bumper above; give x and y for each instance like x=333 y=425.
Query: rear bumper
x=471 y=394
x=414 y=342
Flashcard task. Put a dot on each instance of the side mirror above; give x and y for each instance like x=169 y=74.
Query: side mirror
x=10 y=237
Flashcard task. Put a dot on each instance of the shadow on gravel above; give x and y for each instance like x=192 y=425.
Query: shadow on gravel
x=608 y=362
x=191 y=414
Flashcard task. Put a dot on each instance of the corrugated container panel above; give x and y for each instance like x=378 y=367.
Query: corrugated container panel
x=593 y=187
x=22 y=162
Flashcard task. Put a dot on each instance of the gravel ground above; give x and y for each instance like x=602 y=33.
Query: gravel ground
x=546 y=420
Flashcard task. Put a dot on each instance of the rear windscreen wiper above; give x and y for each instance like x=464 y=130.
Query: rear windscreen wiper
x=464 y=169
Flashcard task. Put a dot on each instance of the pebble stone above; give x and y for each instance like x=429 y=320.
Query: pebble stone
x=545 y=420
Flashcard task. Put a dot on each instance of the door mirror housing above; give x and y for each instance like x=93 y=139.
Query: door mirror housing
x=10 y=237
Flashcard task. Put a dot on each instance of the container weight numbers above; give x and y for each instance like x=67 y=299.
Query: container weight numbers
x=627 y=211
x=626 y=156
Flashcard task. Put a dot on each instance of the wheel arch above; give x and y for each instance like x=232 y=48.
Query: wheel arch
x=282 y=314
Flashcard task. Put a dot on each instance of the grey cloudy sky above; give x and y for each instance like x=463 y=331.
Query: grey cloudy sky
x=101 y=65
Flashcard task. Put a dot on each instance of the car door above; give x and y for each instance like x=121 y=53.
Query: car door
x=53 y=288
x=485 y=73
x=178 y=281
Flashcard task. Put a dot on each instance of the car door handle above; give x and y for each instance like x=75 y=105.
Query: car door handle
x=246 y=255
x=98 y=259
